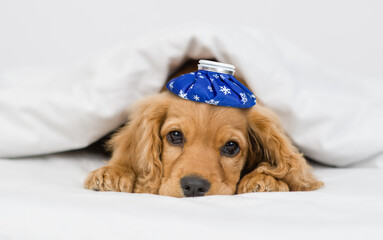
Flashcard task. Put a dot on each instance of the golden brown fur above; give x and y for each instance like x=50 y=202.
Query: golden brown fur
x=143 y=160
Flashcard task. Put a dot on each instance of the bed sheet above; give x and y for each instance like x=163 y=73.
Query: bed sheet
x=43 y=198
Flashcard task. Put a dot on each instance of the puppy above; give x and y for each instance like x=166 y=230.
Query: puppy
x=180 y=148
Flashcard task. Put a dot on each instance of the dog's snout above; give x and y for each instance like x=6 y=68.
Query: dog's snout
x=194 y=186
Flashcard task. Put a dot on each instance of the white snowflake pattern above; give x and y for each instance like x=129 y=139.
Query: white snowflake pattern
x=243 y=98
x=196 y=97
x=211 y=79
x=225 y=90
x=191 y=87
x=212 y=102
x=192 y=73
x=215 y=75
x=210 y=89
x=183 y=95
x=171 y=85
x=200 y=76
x=222 y=76
x=253 y=97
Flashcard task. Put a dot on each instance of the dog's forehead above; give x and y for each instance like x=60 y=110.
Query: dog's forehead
x=203 y=113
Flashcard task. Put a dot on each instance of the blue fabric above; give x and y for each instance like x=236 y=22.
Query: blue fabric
x=212 y=88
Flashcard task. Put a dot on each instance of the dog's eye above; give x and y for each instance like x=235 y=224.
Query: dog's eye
x=230 y=149
x=175 y=138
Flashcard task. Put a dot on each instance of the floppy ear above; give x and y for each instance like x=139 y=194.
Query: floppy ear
x=137 y=146
x=274 y=154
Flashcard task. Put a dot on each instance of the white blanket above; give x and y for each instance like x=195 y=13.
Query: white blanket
x=42 y=198
x=333 y=118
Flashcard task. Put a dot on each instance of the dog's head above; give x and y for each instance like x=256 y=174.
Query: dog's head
x=182 y=148
x=204 y=148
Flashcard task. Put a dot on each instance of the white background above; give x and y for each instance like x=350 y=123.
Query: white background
x=346 y=35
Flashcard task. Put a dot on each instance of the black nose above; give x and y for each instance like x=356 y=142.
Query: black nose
x=194 y=186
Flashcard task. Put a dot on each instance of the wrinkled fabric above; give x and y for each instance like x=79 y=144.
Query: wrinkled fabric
x=212 y=88
x=331 y=116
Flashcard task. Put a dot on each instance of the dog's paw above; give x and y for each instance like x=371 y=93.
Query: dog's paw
x=255 y=182
x=110 y=178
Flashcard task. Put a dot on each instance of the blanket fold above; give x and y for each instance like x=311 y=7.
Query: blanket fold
x=333 y=118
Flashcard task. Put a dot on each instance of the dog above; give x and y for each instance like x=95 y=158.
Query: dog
x=180 y=148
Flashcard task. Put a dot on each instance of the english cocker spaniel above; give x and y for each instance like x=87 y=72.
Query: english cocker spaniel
x=180 y=148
